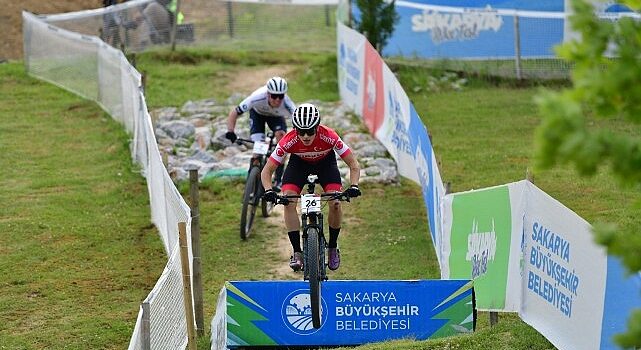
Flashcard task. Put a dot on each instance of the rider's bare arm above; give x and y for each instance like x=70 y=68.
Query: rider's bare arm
x=354 y=168
x=231 y=119
x=266 y=174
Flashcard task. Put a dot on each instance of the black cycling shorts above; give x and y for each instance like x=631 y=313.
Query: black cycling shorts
x=257 y=123
x=295 y=176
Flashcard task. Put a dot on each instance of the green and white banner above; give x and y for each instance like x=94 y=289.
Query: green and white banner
x=479 y=243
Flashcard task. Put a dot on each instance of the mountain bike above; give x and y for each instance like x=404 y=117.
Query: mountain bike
x=314 y=244
x=252 y=196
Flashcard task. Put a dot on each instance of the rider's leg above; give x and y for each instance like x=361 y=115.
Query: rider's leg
x=334 y=219
x=279 y=131
x=292 y=221
x=293 y=231
x=331 y=180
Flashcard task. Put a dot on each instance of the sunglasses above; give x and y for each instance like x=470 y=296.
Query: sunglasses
x=277 y=96
x=303 y=132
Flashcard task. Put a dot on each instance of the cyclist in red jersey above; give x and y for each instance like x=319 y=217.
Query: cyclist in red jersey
x=313 y=148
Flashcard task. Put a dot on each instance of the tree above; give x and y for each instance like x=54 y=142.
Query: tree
x=601 y=88
x=377 y=21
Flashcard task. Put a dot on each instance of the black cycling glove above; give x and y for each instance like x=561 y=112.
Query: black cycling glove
x=270 y=196
x=353 y=191
x=231 y=136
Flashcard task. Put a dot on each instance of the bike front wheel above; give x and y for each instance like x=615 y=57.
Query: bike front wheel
x=266 y=207
x=250 y=202
x=313 y=267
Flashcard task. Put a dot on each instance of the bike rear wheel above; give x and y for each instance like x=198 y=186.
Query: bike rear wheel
x=313 y=267
x=250 y=202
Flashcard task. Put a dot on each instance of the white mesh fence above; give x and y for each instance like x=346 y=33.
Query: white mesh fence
x=252 y=25
x=92 y=69
x=168 y=326
x=135 y=343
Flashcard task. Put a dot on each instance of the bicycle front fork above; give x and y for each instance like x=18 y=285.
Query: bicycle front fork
x=322 y=244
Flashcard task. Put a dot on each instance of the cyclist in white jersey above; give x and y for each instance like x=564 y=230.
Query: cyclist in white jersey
x=269 y=105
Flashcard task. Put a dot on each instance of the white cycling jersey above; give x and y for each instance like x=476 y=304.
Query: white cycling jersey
x=258 y=101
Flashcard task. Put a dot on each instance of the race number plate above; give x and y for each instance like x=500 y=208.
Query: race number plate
x=260 y=147
x=310 y=203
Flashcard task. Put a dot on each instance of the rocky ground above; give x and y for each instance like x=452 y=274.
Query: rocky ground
x=193 y=137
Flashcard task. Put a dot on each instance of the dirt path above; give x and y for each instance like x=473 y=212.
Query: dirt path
x=250 y=79
x=11 y=19
x=281 y=246
x=245 y=82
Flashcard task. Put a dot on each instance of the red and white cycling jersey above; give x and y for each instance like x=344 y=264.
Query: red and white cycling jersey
x=326 y=140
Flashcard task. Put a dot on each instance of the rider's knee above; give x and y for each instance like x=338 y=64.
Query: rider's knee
x=335 y=205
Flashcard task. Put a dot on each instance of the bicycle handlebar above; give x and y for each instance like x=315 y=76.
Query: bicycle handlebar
x=240 y=140
x=329 y=196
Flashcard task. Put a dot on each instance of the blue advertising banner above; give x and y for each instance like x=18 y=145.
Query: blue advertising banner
x=468 y=29
x=263 y=313
x=428 y=174
x=621 y=297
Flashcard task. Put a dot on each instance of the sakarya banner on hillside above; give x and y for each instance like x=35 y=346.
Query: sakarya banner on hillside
x=469 y=29
x=529 y=253
x=369 y=87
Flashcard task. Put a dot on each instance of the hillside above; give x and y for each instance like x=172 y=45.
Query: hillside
x=11 y=20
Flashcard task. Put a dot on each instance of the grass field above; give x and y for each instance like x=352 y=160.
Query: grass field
x=77 y=253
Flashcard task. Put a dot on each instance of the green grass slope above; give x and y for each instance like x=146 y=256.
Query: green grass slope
x=77 y=254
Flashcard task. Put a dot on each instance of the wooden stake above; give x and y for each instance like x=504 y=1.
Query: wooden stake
x=145 y=327
x=195 y=248
x=184 y=262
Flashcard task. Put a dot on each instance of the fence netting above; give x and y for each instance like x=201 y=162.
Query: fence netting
x=87 y=66
x=139 y=25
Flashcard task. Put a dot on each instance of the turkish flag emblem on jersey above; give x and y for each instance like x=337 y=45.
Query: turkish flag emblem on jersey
x=373 y=96
x=280 y=152
x=339 y=145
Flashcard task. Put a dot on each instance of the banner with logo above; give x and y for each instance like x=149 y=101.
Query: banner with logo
x=350 y=55
x=428 y=175
x=481 y=241
x=275 y=313
x=564 y=274
x=367 y=85
x=469 y=29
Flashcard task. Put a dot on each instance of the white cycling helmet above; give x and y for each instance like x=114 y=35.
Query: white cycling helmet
x=276 y=85
x=306 y=116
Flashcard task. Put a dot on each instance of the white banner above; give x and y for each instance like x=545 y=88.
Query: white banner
x=564 y=274
x=350 y=54
x=393 y=132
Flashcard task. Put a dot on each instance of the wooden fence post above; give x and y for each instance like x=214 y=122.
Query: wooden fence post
x=174 y=25
x=184 y=262
x=517 y=47
x=195 y=248
x=145 y=328
x=230 y=19
x=494 y=318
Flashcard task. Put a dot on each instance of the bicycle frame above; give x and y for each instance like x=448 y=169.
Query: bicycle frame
x=261 y=150
x=314 y=244
x=253 y=186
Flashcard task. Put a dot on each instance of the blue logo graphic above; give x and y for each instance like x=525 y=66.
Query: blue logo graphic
x=297 y=312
